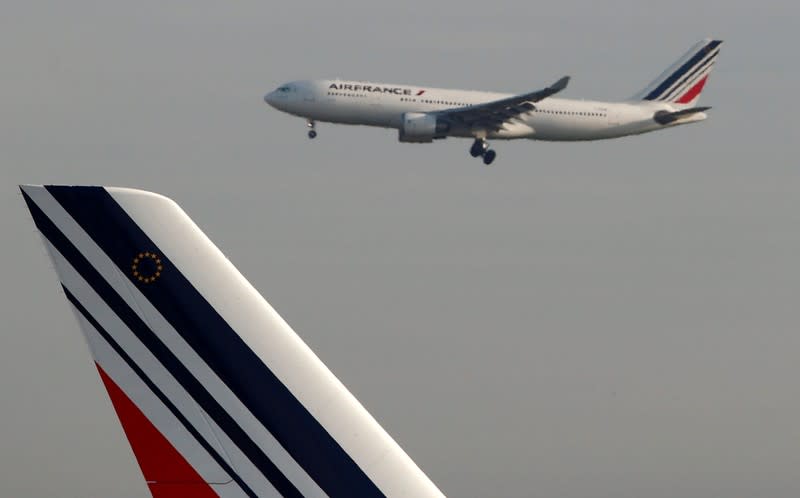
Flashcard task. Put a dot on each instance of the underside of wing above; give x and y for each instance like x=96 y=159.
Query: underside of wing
x=492 y=115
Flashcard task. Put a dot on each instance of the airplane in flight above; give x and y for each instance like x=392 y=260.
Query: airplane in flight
x=217 y=395
x=422 y=114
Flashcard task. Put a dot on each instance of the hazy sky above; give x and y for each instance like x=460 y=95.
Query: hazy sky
x=614 y=319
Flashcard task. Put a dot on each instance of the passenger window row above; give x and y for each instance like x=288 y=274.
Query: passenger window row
x=571 y=113
x=459 y=104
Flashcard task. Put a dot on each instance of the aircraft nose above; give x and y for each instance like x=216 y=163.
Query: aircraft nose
x=278 y=99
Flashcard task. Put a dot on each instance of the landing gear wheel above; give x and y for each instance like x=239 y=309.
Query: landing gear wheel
x=489 y=156
x=312 y=133
x=478 y=148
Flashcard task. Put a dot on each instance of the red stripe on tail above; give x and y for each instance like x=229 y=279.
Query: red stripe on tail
x=693 y=92
x=167 y=473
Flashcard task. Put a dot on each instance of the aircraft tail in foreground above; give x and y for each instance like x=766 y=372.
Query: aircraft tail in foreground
x=683 y=81
x=217 y=395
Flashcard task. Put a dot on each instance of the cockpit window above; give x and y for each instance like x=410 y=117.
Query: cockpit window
x=284 y=88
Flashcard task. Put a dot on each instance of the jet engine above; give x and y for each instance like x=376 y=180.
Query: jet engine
x=421 y=127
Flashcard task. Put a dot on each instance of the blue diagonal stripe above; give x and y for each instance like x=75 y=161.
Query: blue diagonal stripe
x=682 y=86
x=654 y=95
x=201 y=396
x=157 y=392
x=223 y=350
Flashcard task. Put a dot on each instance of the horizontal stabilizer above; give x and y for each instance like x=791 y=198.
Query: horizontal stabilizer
x=666 y=117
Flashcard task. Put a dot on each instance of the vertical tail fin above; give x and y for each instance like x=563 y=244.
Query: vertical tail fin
x=682 y=82
x=216 y=394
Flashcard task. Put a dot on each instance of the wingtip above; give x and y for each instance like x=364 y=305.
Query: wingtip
x=562 y=83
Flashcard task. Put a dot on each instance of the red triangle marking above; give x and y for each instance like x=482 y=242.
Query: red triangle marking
x=693 y=92
x=166 y=471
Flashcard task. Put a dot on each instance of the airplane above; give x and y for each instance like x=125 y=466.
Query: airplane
x=216 y=394
x=422 y=114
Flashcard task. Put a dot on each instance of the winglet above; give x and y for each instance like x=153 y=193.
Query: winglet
x=550 y=90
x=560 y=84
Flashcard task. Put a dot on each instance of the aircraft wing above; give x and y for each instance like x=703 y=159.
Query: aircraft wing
x=492 y=115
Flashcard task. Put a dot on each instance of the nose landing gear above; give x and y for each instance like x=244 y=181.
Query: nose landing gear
x=312 y=133
x=481 y=148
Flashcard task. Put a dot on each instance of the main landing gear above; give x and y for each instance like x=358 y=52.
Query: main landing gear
x=312 y=133
x=481 y=148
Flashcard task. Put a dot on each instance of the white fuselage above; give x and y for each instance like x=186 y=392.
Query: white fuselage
x=383 y=105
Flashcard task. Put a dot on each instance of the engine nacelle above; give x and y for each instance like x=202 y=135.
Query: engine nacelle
x=421 y=127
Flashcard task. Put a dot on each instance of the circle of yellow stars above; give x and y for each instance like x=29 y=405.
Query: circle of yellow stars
x=146 y=279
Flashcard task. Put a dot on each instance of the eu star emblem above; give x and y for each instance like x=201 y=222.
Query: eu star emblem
x=146 y=267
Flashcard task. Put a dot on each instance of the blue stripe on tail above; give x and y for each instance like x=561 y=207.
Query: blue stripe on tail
x=667 y=83
x=158 y=393
x=223 y=350
x=158 y=349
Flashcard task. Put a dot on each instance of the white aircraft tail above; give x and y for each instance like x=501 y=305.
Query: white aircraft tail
x=217 y=395
x=682 y=82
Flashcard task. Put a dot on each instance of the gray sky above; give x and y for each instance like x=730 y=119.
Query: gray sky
x=612 y=319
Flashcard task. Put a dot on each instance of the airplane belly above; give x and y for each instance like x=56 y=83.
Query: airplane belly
x=573 y=129
x=548 y=129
